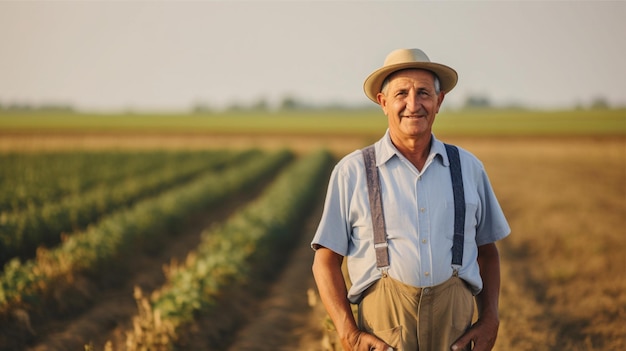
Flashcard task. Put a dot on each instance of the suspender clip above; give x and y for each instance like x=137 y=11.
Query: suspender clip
x=384 y=271
x=455 y=270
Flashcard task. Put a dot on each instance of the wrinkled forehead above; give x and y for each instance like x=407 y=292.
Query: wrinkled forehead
x=412 y=73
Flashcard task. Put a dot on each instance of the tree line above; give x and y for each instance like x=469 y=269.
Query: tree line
x=290 y=103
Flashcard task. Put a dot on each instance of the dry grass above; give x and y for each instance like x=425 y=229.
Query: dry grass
x=36 y=142
x=563 y=282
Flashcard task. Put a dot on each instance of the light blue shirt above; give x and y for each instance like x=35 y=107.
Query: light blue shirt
x=419 y=217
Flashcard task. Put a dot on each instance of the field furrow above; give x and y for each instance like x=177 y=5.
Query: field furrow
x=251 y=246
x=21 y=232
x=35 y=179
x=34 y=285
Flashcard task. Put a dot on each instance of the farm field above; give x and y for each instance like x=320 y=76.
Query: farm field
x=563 y=191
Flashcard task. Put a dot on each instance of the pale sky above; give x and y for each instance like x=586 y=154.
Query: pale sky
x=170 y=55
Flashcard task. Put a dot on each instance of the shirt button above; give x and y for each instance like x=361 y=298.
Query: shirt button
x=422 y=209
x=424 y=241
x=426 y=274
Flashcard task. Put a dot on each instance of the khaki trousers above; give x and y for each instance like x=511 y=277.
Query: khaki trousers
x=411 y=319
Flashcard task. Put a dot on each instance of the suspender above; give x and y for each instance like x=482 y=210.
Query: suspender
x=376 y=206
x=459 y=204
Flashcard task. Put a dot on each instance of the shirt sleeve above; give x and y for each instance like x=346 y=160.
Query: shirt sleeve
x=492 y=225
x=333 y=231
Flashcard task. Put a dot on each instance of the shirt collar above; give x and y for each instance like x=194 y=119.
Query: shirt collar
x=385 y=150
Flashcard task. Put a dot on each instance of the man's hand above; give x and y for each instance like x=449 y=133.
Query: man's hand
x=362 y=341
x=483 y=333
x=332 y=288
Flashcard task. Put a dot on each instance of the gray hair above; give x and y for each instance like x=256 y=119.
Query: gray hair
x=383 y=88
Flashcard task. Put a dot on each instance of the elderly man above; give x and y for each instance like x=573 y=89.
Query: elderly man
x=417 y=220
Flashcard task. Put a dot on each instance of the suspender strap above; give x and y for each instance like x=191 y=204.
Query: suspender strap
x=459 y=204
x=376 y=207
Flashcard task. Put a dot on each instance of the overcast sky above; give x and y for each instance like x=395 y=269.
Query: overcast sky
x=169 y=55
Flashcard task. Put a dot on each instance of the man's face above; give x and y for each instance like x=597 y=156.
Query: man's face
x=410 y=103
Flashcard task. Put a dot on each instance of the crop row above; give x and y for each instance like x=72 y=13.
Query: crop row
x=28 y=180
x=22 y=232
x=30 y=286
x=254 y=241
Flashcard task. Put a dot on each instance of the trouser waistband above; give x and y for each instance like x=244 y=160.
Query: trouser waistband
x=410 y=290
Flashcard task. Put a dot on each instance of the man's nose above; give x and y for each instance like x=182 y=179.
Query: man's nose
x=412 y=103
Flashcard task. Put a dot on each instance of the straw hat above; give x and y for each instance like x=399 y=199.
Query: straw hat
x=408 y=58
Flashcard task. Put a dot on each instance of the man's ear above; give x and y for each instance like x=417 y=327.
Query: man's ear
x=442 y=95
x=382 y=101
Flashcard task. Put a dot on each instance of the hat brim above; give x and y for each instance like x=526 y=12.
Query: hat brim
x=373 y=83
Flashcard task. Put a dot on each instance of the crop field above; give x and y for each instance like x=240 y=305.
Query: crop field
x=191 y=232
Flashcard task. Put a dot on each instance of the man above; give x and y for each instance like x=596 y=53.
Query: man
x=413 y=289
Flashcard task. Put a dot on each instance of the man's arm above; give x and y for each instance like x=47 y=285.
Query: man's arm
x=332 y=288
x=484 y=332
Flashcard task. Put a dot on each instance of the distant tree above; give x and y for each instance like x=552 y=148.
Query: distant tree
x=26 y=107
x=474 y=101
x=260 y=105
x=202 y=108
x=235 y=107
x=289 y=103
x=18 y=107
x=599 y=103
x=56 y=108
